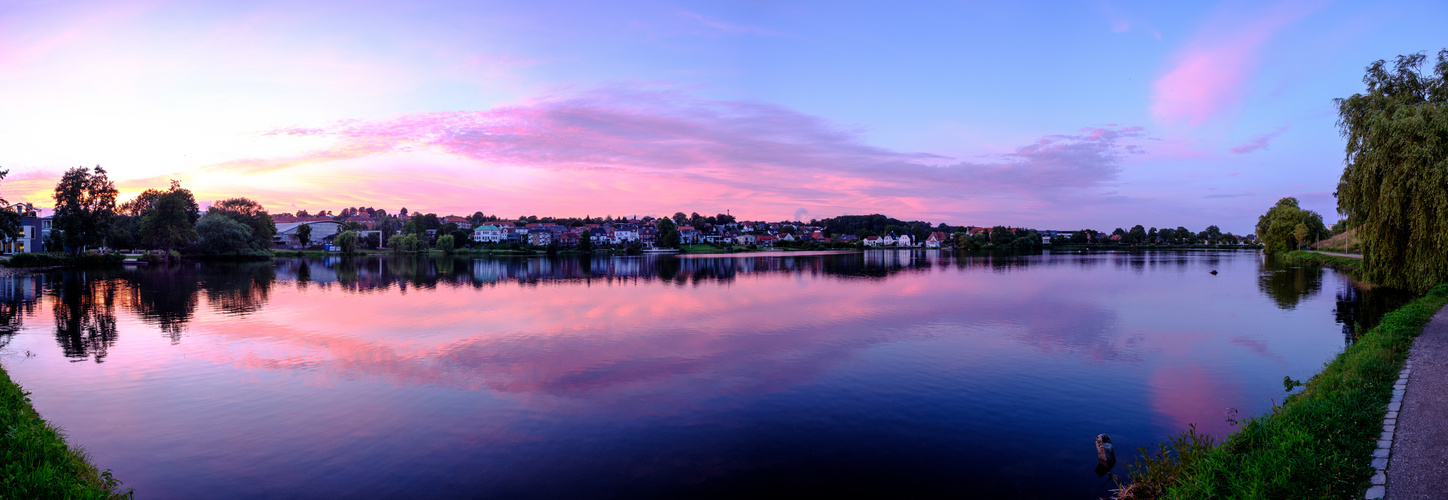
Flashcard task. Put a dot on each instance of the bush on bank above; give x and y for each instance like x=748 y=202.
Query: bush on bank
x=35 y=461
x=1318 y=444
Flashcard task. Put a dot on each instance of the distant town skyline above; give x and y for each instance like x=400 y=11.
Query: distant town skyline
x=1048 y=115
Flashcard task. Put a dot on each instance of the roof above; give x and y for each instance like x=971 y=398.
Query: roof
x=487 y=227
x=286 y=227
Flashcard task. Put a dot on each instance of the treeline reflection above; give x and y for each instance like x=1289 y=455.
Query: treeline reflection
x=1358 y=308
x=83 y=304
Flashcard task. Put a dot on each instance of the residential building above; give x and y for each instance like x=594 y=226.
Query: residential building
x=936 y=240
x=487 y=233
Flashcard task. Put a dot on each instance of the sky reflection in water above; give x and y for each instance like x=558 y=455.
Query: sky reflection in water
x=914 y=373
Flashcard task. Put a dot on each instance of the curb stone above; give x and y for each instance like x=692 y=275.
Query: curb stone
x=1385 y=442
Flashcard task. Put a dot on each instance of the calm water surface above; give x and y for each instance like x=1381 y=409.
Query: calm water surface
x=907 y=373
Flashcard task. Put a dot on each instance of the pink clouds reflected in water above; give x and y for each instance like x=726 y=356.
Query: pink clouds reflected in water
x=676 y=374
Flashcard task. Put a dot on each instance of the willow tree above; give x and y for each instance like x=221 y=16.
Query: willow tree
x=1394 y=188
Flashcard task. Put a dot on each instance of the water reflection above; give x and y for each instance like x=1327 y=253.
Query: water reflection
x=165 y=296
x=85 y=315
x=1359 y=309
x=1288 y=285
x=18 y=298
x=662 y=376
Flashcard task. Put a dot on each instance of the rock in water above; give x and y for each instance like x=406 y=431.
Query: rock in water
x=1105 y=454
x=1214 y=272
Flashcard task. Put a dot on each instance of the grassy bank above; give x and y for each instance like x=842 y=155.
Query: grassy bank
x=36 y=461
x=1333 y=261
x=53 y=259
x=1318 y=444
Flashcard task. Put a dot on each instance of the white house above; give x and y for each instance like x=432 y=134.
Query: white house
x=623 y=236
x=904 y=241
x=936 y=240
x=487 y=233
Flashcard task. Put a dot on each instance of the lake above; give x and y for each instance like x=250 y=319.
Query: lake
x=888 y=373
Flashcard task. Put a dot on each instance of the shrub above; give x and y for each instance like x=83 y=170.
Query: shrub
x=347 y=241
x=35 y=260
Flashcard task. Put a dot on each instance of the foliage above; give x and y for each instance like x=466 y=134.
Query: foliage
x=167 y=224
x=260 y=229
x=668 y=232
x=9 y=218
x=144 y=202
x=219 y=235
x=876 y=224
x=372 y=241
x=445 y=243
x=1278 y=228
x=346 y=241
x=1395 y=185
x=38 y=462
x=85 y=202
x=1154 y=473
x=1319 y=443
x=402 y=243
x=304 y=234
x=585 y=243
x=26 y=259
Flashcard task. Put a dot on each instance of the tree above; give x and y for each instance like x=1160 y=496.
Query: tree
x=1394 y=187
x=347 y=241
x=1213 y=234
x=668 y=232
x=167 y=224
x=585 y=242
x=304 y=234
x=9 y=217
x=1137 y=234
x=85 y=202
x=250 y=214
x=395 y=242
x=1277 y=229
x=445 y=243
x=999 y=235
x=220 y=235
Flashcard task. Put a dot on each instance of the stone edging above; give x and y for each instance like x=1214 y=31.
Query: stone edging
x=1385 y=442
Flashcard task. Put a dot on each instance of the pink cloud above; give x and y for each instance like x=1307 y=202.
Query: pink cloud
x=667 y=143
x=1211 y=75
x=1259 y=142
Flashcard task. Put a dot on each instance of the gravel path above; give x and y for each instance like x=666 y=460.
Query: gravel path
x=1419 y=466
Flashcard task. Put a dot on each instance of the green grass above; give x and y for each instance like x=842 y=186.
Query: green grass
x=702 y=248
x=1303 y=257
x=50 y=259
x=36 y=461
x=1318 y=444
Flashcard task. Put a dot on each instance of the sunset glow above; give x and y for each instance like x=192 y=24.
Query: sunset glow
x=1057 y=116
